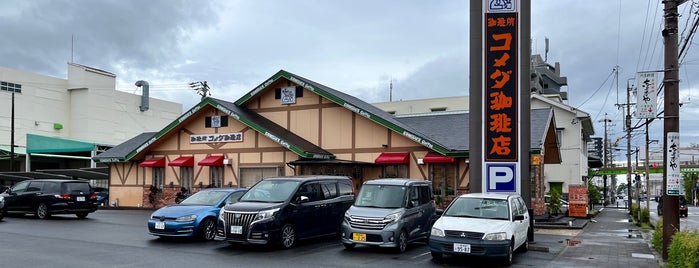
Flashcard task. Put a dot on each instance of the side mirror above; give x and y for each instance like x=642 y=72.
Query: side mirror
x=439 y=212
x=303 y=199
x=412 y=204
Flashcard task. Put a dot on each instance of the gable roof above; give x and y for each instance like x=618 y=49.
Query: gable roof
x=357 y=106
x=585 y=120
x=131 y=148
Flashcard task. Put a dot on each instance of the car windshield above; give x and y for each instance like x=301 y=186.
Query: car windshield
x=381 y=196
x=204 y=198
x=478 y=208
x=272 y=191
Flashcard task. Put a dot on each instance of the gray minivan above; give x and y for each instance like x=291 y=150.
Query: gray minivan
x=390 y=213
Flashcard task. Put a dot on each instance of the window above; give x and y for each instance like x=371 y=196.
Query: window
x=20 y=187
x=186 y=177
x=215 y=177
x=234 y=197
x=6 y=86
x=438 y=109
x=311 y=190
x=251 y=175
x=345 y=188
x=425 y=194
x=158 y=177
x=443 y=178
x=329 y=190
x=395 y=171
x=559 y=136
x=35 y=186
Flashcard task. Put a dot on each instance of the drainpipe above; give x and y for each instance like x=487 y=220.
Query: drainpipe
x=144 y=97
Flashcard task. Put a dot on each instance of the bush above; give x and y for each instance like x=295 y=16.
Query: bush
x=645 y=216
x=634 y=212
x=658 y=237
x=684 y=249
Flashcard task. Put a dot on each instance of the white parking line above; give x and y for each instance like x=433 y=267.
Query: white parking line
x=419 y=255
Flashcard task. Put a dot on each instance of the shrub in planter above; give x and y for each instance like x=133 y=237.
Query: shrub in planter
x=645 y=215
x=684 y=249
x=658 y=237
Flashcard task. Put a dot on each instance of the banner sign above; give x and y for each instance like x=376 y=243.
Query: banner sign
x=217 y=137
x=577 y=201
x=646 y=95
x=674 y=177
x=501 y=61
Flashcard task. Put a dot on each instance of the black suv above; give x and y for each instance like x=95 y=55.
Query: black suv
x=283 y=210
x=45 y=197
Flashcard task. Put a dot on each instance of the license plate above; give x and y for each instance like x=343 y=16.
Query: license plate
x=462 y=248
x=81 y=198
x=160 y=225
x=236 y=229
x=358 y=237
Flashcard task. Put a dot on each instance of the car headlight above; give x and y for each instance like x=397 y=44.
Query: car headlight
x=437 y=232
x=266 y=214
x=187 y=218
x=221 y=213
x=393 y=217
x=348 y=215
x=2 y=199
x=496 y=236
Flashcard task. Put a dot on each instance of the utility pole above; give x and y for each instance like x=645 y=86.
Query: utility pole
x=604 y=156
x=12 y=133
x=671 y=219
x=627 y=124
x=645 y=165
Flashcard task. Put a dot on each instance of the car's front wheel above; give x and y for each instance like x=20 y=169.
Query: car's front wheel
x=42 y=211
x=510 y=252
x=288 y=236
x=402 y=242
x=207 y=230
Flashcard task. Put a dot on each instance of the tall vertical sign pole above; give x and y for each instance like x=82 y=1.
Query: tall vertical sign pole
x=12 y=133
x=671 y=221
x=501 y=121
x=525 y=110
x=475 y=135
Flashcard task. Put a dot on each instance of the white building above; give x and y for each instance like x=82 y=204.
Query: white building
x=84 y=108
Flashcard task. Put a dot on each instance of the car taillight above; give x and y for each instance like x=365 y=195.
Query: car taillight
x=93 y=196
x=64 y=196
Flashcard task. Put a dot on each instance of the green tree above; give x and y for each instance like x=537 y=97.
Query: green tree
x=593 y=193
x=555 y=203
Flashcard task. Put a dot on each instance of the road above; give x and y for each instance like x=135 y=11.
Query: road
x=119 y=238
x=691 y=222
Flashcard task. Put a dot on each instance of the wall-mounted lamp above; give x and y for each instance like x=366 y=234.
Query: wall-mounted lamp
x=230 y=184
x=384 y=145
x=172 y=185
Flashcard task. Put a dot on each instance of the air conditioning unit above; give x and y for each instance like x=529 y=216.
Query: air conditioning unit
x=227 y=161
x=420 y=161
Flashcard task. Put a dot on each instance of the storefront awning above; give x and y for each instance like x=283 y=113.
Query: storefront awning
x=155 y=162
x=437 y=158
x=182 y=161
x=212 y=161
x=393 y=158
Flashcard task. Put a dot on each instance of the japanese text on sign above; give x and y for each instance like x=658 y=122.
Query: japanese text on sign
x=501 y=85
x=674 y=177
x=217 y=137
x=647 y=99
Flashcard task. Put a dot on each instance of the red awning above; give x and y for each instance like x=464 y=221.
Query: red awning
x=155 y=162
x=437 y=158
x=214 y=160
x=182 y=161
x=393 y=158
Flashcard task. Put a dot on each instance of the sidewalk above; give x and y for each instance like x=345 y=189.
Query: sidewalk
x=609 y=240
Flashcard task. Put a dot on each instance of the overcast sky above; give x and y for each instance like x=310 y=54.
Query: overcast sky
x=356 y=47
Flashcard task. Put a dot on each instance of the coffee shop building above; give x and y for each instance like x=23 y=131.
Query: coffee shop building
x=290 y=125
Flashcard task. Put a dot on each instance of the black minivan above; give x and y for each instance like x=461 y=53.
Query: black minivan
x=45 y=197
x=282 y=210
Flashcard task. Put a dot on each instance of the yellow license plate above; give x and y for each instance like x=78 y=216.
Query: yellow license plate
x=358 y=237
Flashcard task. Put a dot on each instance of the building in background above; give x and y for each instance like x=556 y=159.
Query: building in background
x=62 y=123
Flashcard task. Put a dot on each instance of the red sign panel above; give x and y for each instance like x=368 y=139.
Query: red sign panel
x=501 y=87
x=577 y=201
